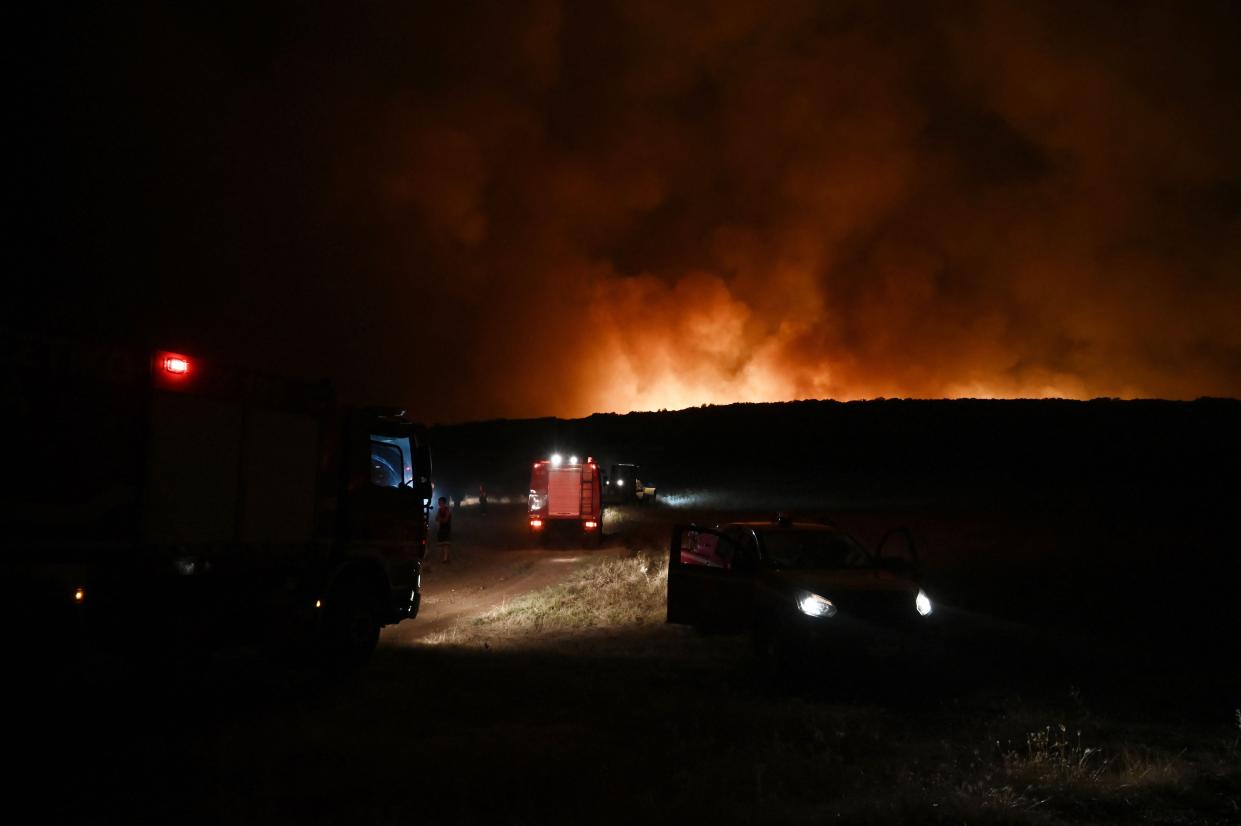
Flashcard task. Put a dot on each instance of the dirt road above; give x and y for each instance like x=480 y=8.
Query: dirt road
x=493 y=560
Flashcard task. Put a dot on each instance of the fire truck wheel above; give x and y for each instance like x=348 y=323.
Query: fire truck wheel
x=351 y=623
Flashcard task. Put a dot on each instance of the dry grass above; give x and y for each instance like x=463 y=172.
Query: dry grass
x=610 y=594
x=1054 y=756
x=507 y=723
x=1057 y=774
x=862 y=759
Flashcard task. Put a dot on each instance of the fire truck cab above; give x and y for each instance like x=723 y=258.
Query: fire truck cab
x=564 y=494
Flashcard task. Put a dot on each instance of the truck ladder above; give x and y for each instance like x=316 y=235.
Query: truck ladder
x=588 y=493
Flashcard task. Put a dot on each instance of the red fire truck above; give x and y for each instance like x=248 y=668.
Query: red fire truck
x=565 y=493
x=158 y=501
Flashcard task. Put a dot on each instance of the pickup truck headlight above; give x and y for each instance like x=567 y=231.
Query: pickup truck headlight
x=813 y=605
x=923 y=603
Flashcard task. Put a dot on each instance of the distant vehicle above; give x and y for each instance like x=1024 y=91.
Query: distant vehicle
x=565 y=494
x=802 y=589
x=159 y=497
x=625 y=485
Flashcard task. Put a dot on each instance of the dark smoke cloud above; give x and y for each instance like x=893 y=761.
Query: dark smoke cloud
x=545 y=208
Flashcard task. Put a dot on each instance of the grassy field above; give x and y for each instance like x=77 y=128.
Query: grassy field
x=753 y=750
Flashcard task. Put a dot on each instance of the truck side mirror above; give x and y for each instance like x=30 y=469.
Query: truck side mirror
x=420 y=488
x=422 y=472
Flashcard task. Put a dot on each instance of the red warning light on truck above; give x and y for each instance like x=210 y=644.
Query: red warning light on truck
x=171 y=369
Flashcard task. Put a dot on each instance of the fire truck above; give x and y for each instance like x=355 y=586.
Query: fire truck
x=566 y=494
x=154 y=499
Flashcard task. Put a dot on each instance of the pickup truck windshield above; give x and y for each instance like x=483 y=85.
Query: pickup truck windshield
x=813 y=550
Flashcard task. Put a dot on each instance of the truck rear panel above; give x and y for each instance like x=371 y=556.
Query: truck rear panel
x=566 y=494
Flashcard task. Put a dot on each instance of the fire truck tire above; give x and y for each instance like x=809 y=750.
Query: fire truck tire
x=351 y=623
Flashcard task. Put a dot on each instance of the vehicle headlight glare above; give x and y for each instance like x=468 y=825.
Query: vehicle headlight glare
x=923 y=603
x=813 y=605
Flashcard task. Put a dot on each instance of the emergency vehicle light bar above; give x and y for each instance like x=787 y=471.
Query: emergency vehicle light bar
x=178 y=365
x=173 y=363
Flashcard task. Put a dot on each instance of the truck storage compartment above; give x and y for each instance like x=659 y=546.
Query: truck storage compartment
x=192 y=470
x=564 y=491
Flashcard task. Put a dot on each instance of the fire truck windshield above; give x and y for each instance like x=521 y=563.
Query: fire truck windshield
x=391 y=461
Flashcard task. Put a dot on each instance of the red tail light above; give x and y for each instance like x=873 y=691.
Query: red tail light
x=590 y=524
x=535 y=524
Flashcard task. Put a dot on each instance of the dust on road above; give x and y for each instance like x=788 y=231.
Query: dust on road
x=494 y=559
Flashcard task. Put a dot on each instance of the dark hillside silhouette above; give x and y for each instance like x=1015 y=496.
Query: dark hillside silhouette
x=1093 y=517
x=925 y=449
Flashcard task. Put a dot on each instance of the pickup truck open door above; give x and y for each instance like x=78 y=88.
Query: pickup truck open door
x=710 y=586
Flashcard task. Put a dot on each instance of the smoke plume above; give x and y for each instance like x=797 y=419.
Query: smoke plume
x=560 y=208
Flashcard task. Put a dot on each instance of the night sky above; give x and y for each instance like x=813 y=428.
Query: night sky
x=522 y=209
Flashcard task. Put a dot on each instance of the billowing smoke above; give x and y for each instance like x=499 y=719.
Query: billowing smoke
x=543 y=208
